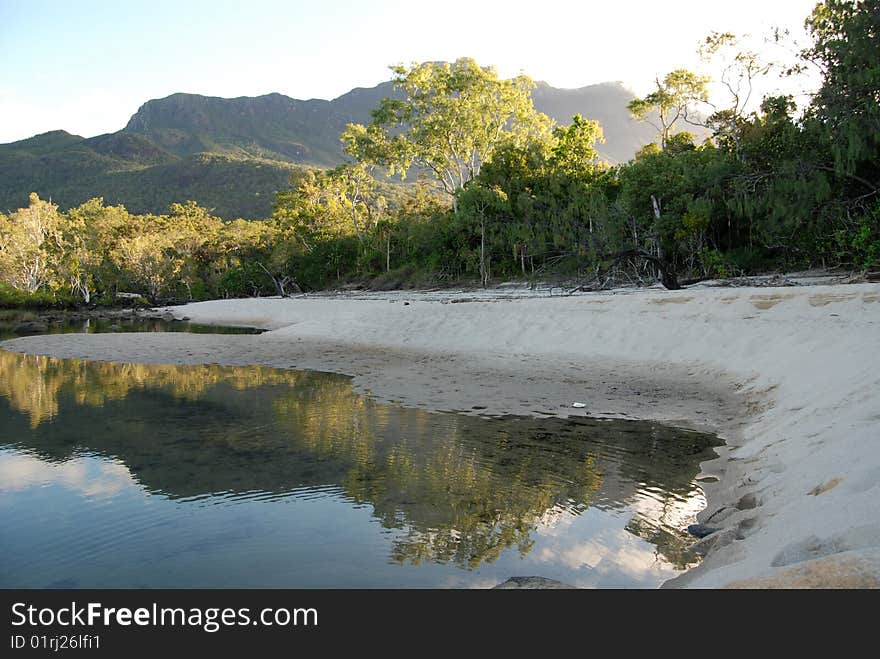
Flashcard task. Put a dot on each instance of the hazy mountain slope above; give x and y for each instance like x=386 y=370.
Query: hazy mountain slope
x=279 y=127
x=606 y=103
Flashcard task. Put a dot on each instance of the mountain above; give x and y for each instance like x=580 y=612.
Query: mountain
x=232 y=155
x=605 y=102
x=133 y=171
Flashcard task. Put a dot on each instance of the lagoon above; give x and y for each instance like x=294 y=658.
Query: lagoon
x=124 y=475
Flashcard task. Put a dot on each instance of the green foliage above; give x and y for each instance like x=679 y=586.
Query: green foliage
x=846 y=44
x=574 y=151
x=860 y=242
x=674 y=97
x=15 y=298
x=449 y=122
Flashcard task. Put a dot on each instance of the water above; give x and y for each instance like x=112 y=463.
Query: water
x=66 y=325
x=121 y=475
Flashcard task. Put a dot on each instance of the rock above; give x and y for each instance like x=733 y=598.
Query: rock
x=712 y=541
x=30 y=327
x=533 y=583
x=701 y=530
x=747 y=502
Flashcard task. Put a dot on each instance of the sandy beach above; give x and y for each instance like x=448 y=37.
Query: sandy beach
x=788 y=377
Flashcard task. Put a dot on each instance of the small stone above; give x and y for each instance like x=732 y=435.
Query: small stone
x=701 y=530
x=720 y=538
x=31 y=327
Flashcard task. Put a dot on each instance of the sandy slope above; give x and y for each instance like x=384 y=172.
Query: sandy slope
x=789 y=376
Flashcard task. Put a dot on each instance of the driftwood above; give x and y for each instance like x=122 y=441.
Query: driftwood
x=667 y=274
x=281 y=283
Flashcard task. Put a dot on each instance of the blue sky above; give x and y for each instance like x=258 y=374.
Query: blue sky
x=87 y=65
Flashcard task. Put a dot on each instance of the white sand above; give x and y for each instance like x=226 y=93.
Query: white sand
x=790 y=377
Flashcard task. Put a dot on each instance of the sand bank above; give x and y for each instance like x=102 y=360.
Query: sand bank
x=790 y=377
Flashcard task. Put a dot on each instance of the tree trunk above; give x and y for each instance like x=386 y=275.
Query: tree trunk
x=667 y=273
x=483 y=277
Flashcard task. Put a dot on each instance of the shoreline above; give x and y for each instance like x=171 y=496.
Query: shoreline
x=786 y=376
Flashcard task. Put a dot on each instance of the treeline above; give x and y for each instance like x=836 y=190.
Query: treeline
x=504 y=193
x=92 y=252
x=770 y=188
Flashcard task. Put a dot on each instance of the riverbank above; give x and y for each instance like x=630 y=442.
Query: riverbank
x=787 y=376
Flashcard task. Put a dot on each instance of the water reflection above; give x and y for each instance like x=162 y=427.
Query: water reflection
x=73 y=323
x=306 y=456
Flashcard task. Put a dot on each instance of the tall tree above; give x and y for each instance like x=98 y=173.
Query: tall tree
x=740 y=67
x=148 y=261
x=673 y=99
x=479 y=204
x=574 y=146
x=450 y=121
x=846 y=36
x=31 y=245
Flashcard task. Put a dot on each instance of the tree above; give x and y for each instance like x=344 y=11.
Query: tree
x=479 y=203
x=574 y=146
x=83 y=256
x=355 y=189
x=317 y=207
x=90 y=232
x=846 y=46
x=740 y=67
x=148 y=261
x=675 y=199
x=450 y=121
x=243 y=247
x=31 y=245
x=673 y=100
x=195 y=234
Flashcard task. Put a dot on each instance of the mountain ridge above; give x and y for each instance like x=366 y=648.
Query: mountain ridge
x=216 y=147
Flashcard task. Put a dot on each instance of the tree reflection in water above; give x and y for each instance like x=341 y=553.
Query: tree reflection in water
x=456 y=489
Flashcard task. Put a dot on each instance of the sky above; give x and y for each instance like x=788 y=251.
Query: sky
x=85 y=66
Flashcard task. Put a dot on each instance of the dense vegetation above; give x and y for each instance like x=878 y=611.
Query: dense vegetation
x=504 y=192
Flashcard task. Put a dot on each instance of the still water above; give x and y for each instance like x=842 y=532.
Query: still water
x=66 y=325
x=122 y=475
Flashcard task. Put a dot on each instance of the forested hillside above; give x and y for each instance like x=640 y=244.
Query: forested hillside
x=233 y=155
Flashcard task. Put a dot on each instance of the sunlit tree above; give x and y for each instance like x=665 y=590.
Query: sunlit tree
x=449 y=122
